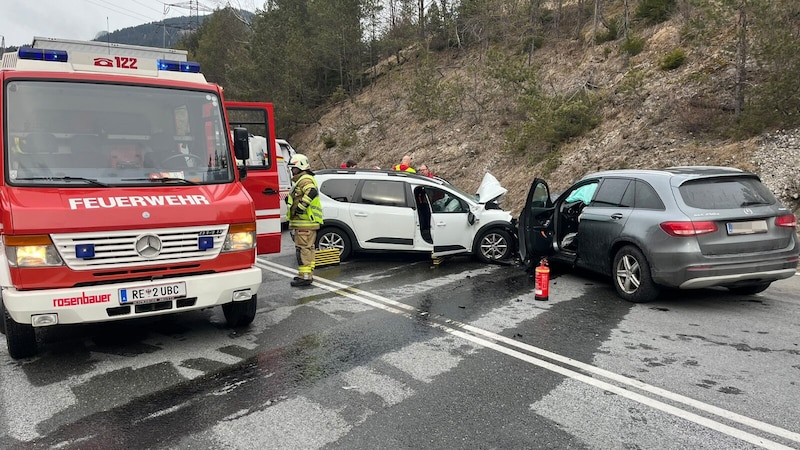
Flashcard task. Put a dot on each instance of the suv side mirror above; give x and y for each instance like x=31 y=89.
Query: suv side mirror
x=471 y=218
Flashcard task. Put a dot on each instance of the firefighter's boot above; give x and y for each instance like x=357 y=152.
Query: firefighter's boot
x=304 y=280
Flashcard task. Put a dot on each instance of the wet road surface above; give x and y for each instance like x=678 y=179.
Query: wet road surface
x=395 y=352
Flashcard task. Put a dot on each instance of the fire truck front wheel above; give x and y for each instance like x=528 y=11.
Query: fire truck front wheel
x=21 y=338
x=240 y=314
x=2 y=317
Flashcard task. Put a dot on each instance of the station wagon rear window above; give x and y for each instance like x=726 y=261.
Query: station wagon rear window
x=341 y=190
x=726 y=193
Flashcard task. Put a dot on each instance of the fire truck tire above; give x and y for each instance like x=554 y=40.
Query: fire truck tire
x=2 y=317
x=21 y=338
x=240 y=314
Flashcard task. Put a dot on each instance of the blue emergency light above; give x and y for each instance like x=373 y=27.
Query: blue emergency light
x=42 y=54
x=205 y=242
x=84 y=250
x=178 y=66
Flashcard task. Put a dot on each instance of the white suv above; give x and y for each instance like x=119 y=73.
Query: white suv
x=379 y=210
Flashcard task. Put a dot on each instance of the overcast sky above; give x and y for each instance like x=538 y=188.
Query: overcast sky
x=21 y=20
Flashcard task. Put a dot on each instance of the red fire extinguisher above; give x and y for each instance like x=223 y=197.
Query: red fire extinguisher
x=542 y=281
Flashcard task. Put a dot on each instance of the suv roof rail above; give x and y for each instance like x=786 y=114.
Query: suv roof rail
x=384 y=172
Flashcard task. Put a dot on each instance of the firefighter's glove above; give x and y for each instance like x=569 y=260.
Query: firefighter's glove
x=301 y=207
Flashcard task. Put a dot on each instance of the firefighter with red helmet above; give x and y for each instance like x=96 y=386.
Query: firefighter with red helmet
x=305 y=217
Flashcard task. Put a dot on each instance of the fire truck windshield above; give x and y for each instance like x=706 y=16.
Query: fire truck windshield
x=59 y=132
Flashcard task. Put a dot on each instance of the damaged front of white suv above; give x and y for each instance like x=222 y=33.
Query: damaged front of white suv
x=494 y=229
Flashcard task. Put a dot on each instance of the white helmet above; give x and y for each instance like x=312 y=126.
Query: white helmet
x=300 y=161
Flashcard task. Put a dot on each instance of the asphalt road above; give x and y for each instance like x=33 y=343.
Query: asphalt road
x=396 y=352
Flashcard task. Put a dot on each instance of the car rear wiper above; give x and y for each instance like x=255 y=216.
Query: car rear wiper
x=86 y=180
x=754 y=203
x=162 y=180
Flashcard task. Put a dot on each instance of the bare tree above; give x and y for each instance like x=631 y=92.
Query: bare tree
x=596 y=21
x=741 y=57
x=421 y=18
x=627 y=18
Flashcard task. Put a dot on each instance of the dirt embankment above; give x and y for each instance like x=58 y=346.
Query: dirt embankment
x=651 y=119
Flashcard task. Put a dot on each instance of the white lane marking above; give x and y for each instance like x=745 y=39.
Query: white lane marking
x=455 y=328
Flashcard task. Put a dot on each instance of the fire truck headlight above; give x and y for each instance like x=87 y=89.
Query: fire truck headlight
x=33 y=256
x=240 y=236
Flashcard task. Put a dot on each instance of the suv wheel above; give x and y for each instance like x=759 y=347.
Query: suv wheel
x=632 y=276
x=335 y=238
x=494 y=245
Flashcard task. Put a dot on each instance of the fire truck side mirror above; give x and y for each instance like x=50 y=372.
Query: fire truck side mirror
x=241 y=143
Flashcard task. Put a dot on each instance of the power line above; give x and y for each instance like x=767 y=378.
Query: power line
x=146 y=6
x=194 y=7
x=119 y=10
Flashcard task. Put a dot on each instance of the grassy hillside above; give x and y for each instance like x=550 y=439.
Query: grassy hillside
x=649 y=117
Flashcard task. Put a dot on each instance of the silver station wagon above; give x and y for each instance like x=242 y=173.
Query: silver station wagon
x=681 y=227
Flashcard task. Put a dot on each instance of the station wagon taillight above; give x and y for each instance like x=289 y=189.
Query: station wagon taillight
x=684 y=229
x=786 y=220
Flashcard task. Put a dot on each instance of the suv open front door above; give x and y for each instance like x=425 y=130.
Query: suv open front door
x=536 y=224
x=261 y=181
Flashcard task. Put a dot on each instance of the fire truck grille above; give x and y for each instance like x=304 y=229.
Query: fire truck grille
x=139 y=248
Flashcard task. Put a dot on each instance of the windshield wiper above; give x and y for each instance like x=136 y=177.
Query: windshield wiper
x=86 y=180
x=753 y=203
x=162 y=180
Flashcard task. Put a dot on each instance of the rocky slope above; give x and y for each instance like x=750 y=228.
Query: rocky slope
x=656 y=124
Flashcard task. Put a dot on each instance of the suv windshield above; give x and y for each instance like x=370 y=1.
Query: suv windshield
x=79 y=134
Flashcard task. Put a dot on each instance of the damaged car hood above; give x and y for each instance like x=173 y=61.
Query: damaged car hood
x=489 y=189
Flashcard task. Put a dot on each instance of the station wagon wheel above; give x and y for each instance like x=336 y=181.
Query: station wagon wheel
x=335 y=238
x=632 y=278
x=494 y=245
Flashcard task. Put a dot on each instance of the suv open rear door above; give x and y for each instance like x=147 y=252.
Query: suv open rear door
x=262 y=169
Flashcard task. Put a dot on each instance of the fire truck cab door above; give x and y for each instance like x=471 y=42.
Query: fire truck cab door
x=261 y=181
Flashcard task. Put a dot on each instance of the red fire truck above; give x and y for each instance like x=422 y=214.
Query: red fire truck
x=121 y=196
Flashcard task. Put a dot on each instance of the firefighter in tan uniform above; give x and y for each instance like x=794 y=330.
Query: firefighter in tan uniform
x=305 y=217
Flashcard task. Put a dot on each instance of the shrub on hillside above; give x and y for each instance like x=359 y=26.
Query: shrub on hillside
x=430 y=97
x=611 y=33
x=655 y=11
x=551 y=121
x=673 y=59
x=633 y=45
x=328 y=140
